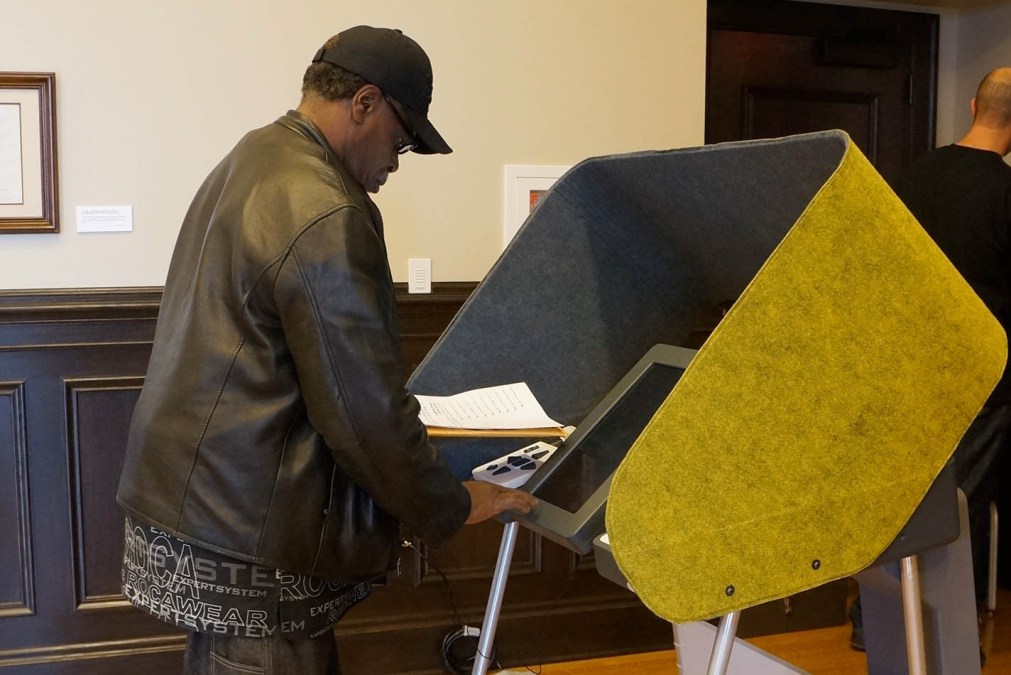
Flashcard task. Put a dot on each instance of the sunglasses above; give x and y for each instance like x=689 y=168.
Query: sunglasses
x=403 y=146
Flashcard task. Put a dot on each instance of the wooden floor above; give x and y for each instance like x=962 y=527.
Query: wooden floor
x=821 y=652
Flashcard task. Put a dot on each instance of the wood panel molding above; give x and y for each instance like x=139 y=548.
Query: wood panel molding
x=62 y=319
x=79 y=391
x=867 y=103
x=41 y=319
x=16 y=558
x=86 y=651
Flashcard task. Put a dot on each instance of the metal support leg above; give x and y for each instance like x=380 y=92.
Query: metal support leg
x=947 y=601
x=695 y=641
x=991 y=580
x=916 y=651
x=491 y=612
x=719 y=663
x=986 y=624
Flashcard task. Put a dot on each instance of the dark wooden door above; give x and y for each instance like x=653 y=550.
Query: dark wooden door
x=777 y=67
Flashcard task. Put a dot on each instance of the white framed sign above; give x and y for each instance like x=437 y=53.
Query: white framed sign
x=524 y=185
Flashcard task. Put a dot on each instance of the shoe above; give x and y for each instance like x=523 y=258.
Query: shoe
x=857 y=640
x=857 y=619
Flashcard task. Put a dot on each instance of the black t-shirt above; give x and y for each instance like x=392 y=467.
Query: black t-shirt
x=962 y=198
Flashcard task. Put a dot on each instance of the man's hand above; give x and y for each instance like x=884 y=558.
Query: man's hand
x=487 y=500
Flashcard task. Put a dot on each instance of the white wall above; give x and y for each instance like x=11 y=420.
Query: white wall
x=151 y=95
x=984 y=43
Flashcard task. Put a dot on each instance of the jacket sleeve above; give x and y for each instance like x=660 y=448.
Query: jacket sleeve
x=335 y=299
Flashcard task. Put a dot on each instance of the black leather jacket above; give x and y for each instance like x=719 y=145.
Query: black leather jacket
x=273 y=425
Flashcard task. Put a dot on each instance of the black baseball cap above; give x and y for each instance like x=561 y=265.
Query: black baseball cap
x=400 y=67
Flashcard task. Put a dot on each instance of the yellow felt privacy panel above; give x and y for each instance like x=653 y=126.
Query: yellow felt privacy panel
x=814 y=419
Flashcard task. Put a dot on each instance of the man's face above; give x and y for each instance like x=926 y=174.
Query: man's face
x=375 y=154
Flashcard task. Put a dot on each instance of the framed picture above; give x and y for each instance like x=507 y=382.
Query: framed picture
x=524 y=185
x=28 y=177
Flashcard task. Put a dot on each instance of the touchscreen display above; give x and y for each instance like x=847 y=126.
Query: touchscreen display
x=601 y=450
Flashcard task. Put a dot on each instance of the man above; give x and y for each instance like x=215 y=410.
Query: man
x=274 y=451
x=961 y=195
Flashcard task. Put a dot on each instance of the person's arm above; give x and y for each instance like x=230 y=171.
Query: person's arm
x=335 y=301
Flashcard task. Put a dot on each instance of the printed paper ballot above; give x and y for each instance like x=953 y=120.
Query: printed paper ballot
x=506 y=407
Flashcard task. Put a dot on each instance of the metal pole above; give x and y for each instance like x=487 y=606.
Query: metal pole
x=987 y=625
x=486 y=642
x=719 y=662
x=991 y=582
x=916 y=651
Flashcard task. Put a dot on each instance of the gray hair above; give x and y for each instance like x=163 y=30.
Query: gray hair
x=328 y=81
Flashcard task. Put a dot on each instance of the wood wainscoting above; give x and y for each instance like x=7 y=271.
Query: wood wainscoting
x=71 y=367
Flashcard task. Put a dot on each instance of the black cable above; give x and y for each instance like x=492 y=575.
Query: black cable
x=460 y=649
x=460 y=646
x=447 y=591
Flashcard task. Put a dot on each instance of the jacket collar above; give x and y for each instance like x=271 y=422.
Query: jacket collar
x=302 y=125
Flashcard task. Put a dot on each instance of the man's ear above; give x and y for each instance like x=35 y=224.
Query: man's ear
x=365 y=101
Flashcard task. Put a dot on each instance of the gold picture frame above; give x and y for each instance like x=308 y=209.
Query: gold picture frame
x=29 y=201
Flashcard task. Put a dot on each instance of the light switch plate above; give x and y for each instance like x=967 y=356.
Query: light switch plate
x=419 y=275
